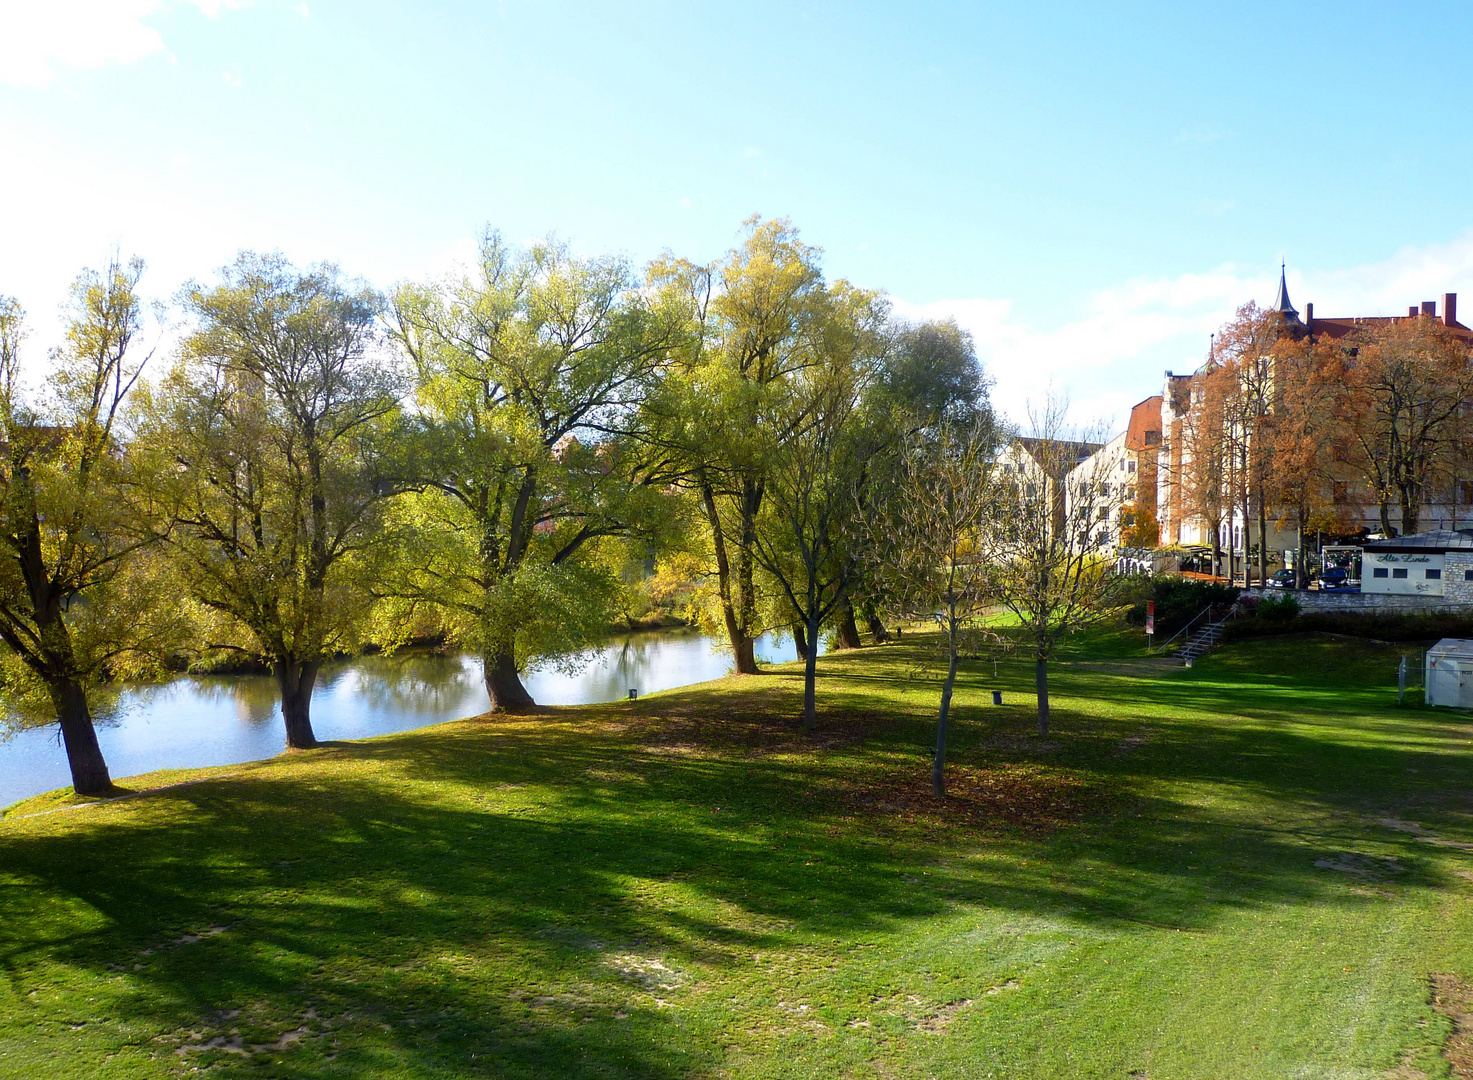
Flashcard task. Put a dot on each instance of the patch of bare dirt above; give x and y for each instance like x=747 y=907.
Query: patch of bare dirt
x=1026 y=795
x=1453 y=997
x=1421 y=835
x=1362 y=867
x=214 y=1035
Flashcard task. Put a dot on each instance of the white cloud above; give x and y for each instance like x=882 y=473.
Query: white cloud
x=39 y=36
x=36 y=36
x=213 y=8
x=1113 y=350
x=301 y=9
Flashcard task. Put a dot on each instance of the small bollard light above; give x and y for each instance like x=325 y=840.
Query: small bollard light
x=633 y=694
x=997 y=697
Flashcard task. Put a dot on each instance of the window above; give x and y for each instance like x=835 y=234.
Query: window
x=1104 y=513
x=1434 y=575
x=1105 y=488
x=1380 y=571
x=1399 y=572
x=1130 y=466
x=1465 y=492
x=1153 y=438
x=1468 y=575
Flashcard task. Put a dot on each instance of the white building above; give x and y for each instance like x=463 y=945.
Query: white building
x=1436 y=563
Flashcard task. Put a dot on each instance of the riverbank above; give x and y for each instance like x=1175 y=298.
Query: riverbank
x=1255 y=868
x=201 y=720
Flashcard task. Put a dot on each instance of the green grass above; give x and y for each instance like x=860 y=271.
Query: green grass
x=1202 y=873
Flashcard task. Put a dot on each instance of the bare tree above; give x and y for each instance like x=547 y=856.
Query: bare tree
x=928 y=546
x=1052 y=569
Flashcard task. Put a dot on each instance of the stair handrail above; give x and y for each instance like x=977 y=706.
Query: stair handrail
x=1194 y=620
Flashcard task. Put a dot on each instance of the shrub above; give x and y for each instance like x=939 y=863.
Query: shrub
x=1178 y=600
x=1372 y=626
x=1278 y=608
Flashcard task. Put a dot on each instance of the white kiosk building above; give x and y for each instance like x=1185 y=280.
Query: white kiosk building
x=1423 y=564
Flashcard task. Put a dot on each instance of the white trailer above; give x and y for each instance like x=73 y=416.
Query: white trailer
x=1449 y=674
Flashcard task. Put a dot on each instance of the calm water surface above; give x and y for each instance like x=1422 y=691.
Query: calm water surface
x=194 y=721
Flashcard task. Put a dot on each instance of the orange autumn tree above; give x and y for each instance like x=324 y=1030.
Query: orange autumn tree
x=1201 y=472
x=1244 y=382
x=1404 y=385
x=1309 y=444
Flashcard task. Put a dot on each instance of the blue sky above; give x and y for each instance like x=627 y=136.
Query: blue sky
x=1089 y=188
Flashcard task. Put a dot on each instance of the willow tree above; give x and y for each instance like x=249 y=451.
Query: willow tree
x=277 y=420
x=530 y=377
x=807 y=537
x=74 y=522
x=752 y=318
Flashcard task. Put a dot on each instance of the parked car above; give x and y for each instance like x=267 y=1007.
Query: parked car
x=1336 y=577
x=1282 y=579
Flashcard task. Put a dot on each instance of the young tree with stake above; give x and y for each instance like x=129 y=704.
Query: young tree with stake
x=929 y=545
x=1051 y=569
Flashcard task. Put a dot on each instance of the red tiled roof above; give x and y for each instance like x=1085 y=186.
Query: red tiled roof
x=1339 y=328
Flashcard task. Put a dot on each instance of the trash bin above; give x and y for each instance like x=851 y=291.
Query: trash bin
x=997 y=697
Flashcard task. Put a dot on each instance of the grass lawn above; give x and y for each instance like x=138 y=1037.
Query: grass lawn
x=1256 y=868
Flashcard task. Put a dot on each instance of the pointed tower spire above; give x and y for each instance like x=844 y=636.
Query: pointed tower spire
x=1281 y=302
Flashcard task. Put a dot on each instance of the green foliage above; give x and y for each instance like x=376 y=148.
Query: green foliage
x=275 y=431
x=531 y=377
x=82 y=597
x=1371 y=626
x=1273 y=608
x=1178 y=601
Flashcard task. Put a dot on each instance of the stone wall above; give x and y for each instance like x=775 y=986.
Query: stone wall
x=1384 y=603
x=1457 y=577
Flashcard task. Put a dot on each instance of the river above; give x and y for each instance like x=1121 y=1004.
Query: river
x=194 y=721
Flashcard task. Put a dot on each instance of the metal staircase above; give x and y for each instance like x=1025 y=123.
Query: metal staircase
x=1201 y=635
x=1206 y=638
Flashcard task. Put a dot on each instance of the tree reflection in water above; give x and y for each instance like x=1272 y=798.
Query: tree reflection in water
x=197 y=720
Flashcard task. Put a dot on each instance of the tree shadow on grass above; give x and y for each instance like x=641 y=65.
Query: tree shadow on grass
x=559 y=895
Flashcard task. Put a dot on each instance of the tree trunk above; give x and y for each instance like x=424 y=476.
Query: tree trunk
x=1262 y=540
x=83 y=754
x=1217 y=550
x=800 y=640
x=741 y=644
x=1247 y=533
x=504 y=684
x=1301 y=577
x=1386 y=529
x=938 y=776
x=848 y=633
x=810 y=674
x=295 y=682
x=1040 y=677
x=746 y=660
x=877 y=632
